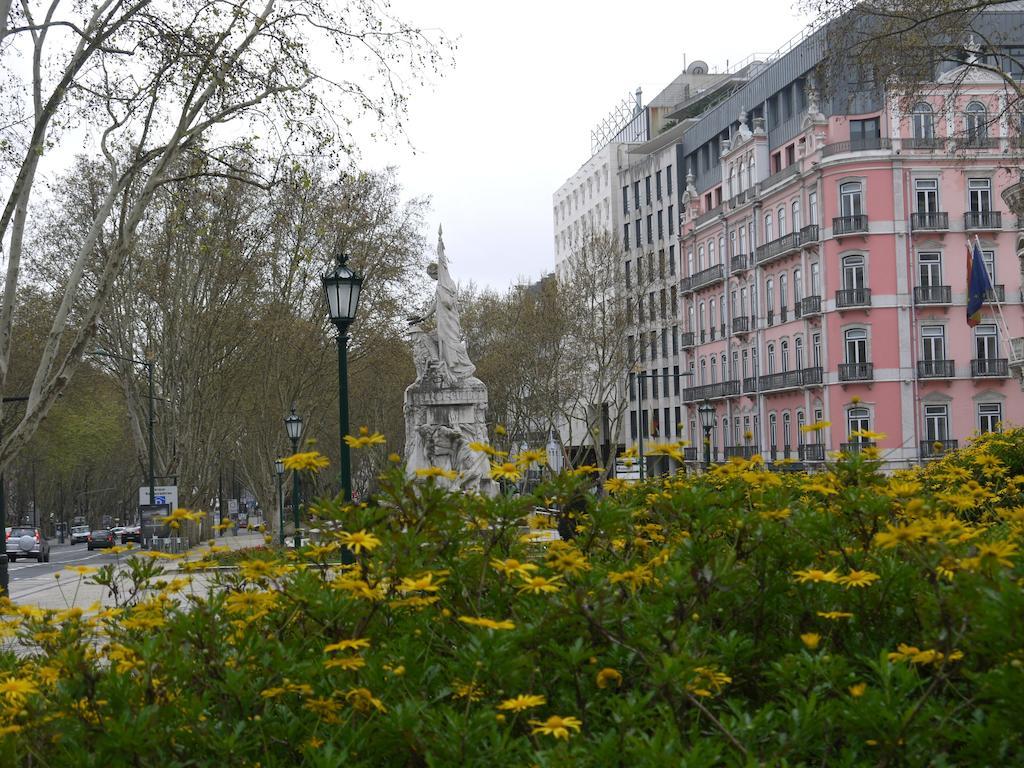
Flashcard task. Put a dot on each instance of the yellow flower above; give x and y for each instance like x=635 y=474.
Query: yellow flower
x=471 y=691
x=522 y=702
x=511 y=567
x=857 y=689
x=348 y=663
x=347 y=645
x=834 y=615
x=359 y=541
x=505 y=471
x=15 y=689
x=707 y=681
x=538 y=584
x=816 y=426
x=534 y=456
x=250 y=605
x=428 y=472
x=424 y=583
x=811 y=640
x=567 y=559
x=499 y=429
x=634 y=577
x=916 y=655
x=362 y=700
x=486 y=623
x=895 y=535
x=815 y=575
x=556 y=726
x=616 y=485
x=83 y=570
x=311 y=461
x=999 y=551
x=858 y=579
x=609 y=676
x=364 y=439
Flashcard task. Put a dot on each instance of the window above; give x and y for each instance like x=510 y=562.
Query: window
x=850 y=198
x=678 y=421
x=927 y=195
x=933 y=340
x=864 y=134
x=745 y=364
x=769 y=296
x=667 y=429
x=644 y=424
x=771 y=359
x=853 y=273
x=979 y=193
x=647 y=188
x=930 y=269
x=798 y=285
x=786 y=430
x=772 y=431
x=671 y=259
x=782 y=221
x=661 y=228
x=662 y=301
x=700 y=257
x=743 y=300
x=714 y=369
x=734 y=372
x=664 y=348
x=689 y=263
x=625 y=199
x=671 y=220
x=632 y=425
x=674 y=293
x=768 y=236
x=986 y=342
x=816 y=345
x=636 y=194
x=629 y=273
x=703 y=371
x=812 y=207
x=976 y=123
x=636 y=223
x=625 y=236
x=750 y=171
x=990 y=417
x=675 y=385
x=657 y=184
x=857 y=420
x=936 y=422
x=796 y=216
x=711 y=316
x=654 y=384
x=743 y=240
x=661 y=264
x=650 y=229
x=801 y=421
x=856 y=345
x=923 y=121
x=784 y=349
x=721 y=249
x=668 y=184
x=798 y=350
x=675 y=339
x=783 y=292
x=711 y=253
x=988 y=258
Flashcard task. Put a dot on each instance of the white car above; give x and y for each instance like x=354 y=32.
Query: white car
x=79 y=533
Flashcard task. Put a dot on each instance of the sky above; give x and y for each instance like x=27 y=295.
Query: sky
x=502 y=130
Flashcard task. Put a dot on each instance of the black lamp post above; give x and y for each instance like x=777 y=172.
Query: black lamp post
x=279 y=470
x=293 y=424
x=707 y=422
x=342 y=288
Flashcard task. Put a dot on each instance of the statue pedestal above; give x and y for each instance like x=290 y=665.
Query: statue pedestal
x=440 y=423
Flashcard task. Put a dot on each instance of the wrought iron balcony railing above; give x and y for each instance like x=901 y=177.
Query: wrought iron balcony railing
x=935 y=369
x=811 y=452
x=856 y=371
x=929 y=221
x=809 y=305
x=986 y=220
x=933 y=449
x=992 y=367
x=933 y=294
x=849 y=225
x=853 y=297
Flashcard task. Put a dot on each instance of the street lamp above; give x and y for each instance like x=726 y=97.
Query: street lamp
x=279 y=470
x=342 y=288
x=293 y=425
x=706 y=411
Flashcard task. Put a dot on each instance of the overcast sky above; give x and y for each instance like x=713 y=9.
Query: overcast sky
x=511 y=122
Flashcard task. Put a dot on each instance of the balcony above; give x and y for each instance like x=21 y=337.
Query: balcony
x=809 y=235
x=689 y=454
x=847 y=298
x=924 y=142
x=997 y=294
x=812 y=377
x=739 y=263
x=990 y=367
x=783 y=314
x=856 y=371
x=933 y=449
x=933 y=294
x=849 y=225
x=770 y=317
x=686 y=339
x=856 y=447
x=777 y=248
x=983 y=220
x=711 y=391
x=780 y=176
x=741 y=451
x=779 y=381
x=866 y=144
x=931 y=221
x=809 y=305
x=935 y=369
x=712 y=333
x=750 y=385
x=704 y=218
x=811 y=452
x=703 y=279
x=741 y=324
x=965 y=141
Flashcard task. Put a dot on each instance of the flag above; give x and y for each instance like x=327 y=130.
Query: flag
x=978 y=283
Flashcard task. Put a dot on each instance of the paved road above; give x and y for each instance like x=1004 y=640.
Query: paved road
x=29 y=578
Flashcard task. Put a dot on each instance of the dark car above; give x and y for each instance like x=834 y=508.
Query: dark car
x=100 y=539
x=27 y=542
x=131 y=533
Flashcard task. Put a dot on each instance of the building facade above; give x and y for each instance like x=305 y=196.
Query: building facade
x=817 y=272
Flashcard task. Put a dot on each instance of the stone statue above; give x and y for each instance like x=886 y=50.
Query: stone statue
x=446 y=407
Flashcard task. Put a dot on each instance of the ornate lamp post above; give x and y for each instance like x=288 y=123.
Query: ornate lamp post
x=342 y=288
x=706 y=411
x=279 y=471
x=293 y=425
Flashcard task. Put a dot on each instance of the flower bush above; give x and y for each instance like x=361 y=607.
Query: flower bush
x=741 y=617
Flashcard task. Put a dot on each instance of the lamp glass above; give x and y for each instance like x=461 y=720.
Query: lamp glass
x=342 y=288
x=279 y=466
x=707 y=415
x=293 y=424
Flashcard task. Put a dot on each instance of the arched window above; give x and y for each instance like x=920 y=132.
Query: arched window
x=801 y=422
x=851 y=198
x=857 y=419
x=703 y=371
x=784 y=346
x=714 y=369
x=797 y=222
x=856 y=345
x=739 y=178
x=786 y=442
x=782 y=221
x=798 y=351
x=773 y=431
x=732 y=181
x=750 y=171
x=854 y=277
x=771 y=359
x=922 y=121
x=768 y=236
x=977 y=123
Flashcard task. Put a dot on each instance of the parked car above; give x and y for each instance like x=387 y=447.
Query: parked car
x=131 y=533
x=27 y=542
x=79 y=533
x=101 y=539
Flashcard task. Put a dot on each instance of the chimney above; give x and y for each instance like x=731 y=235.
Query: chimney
x=638 y=107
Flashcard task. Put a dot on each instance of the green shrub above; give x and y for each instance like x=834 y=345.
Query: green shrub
x=741 y=617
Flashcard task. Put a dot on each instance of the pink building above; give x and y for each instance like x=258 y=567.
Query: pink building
x=823 y=275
